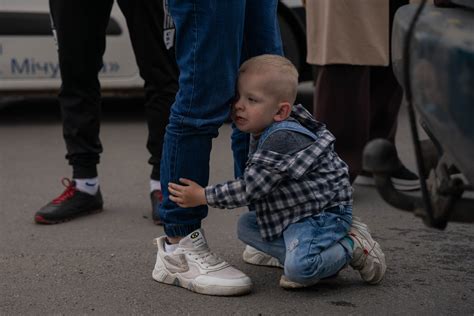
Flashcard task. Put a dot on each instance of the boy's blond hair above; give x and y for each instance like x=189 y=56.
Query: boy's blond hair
x=284 y=80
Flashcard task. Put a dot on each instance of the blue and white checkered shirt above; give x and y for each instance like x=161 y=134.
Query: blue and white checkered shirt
x=283 y=188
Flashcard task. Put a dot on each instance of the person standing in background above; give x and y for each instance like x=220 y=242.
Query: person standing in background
x=212 y=39
x=356 y=93
x=80 y=30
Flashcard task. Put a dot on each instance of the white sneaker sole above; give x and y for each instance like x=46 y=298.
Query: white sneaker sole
x=398 y=184
x=290 y=285
x=177 y=279
x=259 y=258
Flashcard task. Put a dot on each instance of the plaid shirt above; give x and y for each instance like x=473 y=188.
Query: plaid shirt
x=284 y=189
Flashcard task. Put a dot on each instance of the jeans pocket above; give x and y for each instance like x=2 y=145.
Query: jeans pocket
x=342 y=228
x=344 y=212
x=324 y=237
x=318 y=220
x=337 y=224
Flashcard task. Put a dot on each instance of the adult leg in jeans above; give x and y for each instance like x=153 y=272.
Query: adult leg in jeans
x=264 y=39
x=207 y=85
x=208 y=45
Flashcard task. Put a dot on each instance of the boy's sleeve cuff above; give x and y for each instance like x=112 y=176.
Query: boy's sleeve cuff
x=210 y=196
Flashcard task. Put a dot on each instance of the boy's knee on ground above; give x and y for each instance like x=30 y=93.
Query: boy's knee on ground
x=302 y=270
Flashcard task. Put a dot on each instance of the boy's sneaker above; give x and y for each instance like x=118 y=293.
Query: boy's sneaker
x=156 y=198
x=260 y=258
x=194 y=267
x=367 y=257
x=287 y=284
x=402 y=179
x=70 y=204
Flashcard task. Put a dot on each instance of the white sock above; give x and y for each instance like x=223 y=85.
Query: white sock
x=89 y=186
x=155 y=185
x=170 y=247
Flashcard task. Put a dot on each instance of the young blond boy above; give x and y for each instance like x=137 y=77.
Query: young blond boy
x=295 y=185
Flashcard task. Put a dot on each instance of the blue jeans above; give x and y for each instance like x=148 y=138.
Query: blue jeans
x=311 y=249
x=212 y=38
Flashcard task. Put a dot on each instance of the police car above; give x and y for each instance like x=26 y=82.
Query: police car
x=29 y=61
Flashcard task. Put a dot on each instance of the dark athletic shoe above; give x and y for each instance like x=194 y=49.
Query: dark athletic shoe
x=156 y=198
x=402 y=179
x=70 y=204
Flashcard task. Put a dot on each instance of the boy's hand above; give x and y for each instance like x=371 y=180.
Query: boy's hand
x=188 y=195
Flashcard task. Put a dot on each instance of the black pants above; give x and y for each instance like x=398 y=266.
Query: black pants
x=358 y=104
x=81 y=30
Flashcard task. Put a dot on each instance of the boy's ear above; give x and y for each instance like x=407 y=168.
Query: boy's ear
x=284 y=110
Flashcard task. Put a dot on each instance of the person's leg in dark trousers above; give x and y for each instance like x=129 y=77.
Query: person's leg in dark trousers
x=80 y=27
x=151 y=31
x=357 y=103
x=342 y=102
x=385 y=100
x=147 y=21
x=385 y=92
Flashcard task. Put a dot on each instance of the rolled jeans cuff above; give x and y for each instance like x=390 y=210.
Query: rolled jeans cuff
x=180 y=230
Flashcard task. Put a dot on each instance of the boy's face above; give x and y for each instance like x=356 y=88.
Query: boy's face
x=255 y=107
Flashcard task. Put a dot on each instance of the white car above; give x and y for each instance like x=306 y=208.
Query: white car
x=29 y=62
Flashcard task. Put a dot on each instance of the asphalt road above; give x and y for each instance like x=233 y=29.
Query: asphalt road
x=102 y=264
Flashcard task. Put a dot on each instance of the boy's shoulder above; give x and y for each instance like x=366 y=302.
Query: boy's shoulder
x=286 y=141
x=286 y=137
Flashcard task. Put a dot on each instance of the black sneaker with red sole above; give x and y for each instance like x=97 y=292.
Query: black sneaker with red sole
x=70 y=204
x=156 y=198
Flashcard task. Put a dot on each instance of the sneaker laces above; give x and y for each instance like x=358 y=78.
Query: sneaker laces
x=205 y=257
x=68 y=193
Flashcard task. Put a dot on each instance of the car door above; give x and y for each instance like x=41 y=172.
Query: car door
x=28 y=54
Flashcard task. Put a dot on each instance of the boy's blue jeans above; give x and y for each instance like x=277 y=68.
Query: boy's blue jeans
x=311 y=249
x=212 y=38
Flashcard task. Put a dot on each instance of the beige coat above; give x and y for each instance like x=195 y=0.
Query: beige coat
x=354 y=32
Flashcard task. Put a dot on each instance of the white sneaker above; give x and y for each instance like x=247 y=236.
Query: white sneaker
x=259 y=258
x=291 y=285
x=367 y=257
x=194 y=267
x=287 y=284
